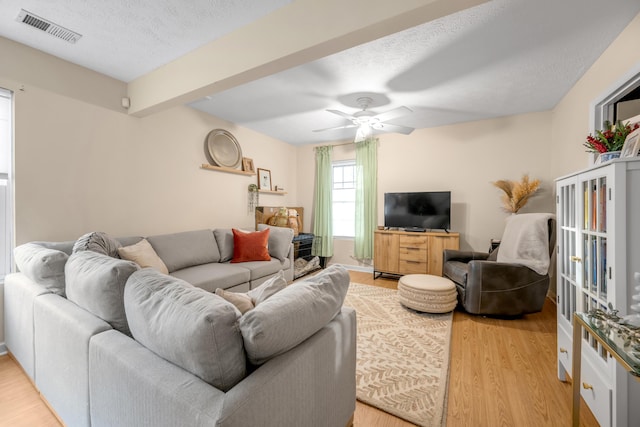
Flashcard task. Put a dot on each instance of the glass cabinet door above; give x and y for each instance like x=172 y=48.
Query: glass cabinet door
x=569 y=252
x=593 y=287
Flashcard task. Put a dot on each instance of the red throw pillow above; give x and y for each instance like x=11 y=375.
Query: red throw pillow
x=250 y=246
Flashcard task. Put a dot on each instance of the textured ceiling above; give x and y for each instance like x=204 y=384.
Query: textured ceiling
x=500 y=58
x=125 y=39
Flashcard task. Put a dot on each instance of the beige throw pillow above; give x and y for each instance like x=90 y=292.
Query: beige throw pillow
x=242 y=301
x=142 y=253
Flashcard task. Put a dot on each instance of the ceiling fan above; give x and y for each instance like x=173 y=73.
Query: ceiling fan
x=368 y=121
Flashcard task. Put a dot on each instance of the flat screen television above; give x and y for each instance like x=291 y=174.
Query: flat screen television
x=427 y=210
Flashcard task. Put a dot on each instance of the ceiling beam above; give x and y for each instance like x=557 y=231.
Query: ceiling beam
x=303 y=31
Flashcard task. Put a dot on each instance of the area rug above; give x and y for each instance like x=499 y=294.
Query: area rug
x=402 y=358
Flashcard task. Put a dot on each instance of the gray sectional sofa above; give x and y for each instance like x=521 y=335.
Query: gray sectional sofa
x=108 y=343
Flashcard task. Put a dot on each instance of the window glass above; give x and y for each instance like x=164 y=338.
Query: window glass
x=344 y=198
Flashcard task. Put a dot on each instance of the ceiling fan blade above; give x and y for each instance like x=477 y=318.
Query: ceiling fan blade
x=393 y=114
x=335 y=128
x=386 y=127
x=342 y=114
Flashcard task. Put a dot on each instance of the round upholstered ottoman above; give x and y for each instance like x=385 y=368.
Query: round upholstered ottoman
x=424 y=292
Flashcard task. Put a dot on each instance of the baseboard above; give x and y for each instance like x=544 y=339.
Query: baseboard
x=357 y=268
x=3 y=349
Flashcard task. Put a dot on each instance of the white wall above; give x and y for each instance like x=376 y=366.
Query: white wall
x=85 y=168
x=571 y=119
x=463 y=159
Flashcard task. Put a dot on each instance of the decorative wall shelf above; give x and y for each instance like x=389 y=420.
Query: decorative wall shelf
x=281 y=193
x=228 y=170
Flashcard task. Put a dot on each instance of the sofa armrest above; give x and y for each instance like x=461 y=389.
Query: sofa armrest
x=311 y=384
x=463 y=256
x=289 y=273
x=500 y=276
x=497 y=288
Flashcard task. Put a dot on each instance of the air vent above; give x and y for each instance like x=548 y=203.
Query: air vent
x=48 y=27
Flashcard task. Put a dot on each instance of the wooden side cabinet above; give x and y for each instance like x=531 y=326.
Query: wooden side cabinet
x=402 y=252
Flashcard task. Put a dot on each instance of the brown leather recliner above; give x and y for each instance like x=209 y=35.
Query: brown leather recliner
x=493 y=288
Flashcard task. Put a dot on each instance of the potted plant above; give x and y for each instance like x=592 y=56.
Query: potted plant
x=609 y=140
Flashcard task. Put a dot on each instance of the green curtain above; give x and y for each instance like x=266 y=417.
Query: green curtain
x=366 y=201
x=323 y=221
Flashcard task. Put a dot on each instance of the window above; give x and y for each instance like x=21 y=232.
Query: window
x=344 y=198
x=5 y=184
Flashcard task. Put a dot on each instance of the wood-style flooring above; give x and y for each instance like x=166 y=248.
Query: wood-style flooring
x=502 y=373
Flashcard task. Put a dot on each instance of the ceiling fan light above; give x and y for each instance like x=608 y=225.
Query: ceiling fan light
x=364 y=132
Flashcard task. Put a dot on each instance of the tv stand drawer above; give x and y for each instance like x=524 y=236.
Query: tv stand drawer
x=413 y=254
x=413 y=267
x=413 y=242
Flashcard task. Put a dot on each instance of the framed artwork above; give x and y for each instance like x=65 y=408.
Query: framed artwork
x=631 y=144
x=264 y=179
x=247 y=164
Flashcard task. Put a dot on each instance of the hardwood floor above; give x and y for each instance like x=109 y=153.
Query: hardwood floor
x=502 y=373
x=20 y=403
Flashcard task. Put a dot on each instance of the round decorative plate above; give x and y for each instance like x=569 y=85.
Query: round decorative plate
x=224 y=148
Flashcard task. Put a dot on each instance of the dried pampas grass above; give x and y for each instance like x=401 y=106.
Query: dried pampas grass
x=517 y=194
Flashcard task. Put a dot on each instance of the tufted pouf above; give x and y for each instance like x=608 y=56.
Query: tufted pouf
x=424 y=292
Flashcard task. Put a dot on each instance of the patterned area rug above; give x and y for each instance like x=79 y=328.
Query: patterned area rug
x=403 y=356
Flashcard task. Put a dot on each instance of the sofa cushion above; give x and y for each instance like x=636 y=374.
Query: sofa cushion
x=143 y=254
x=96 y=282
x=268 y=288
x=129 y=240
x=280 y=239
x=259 y=269
x=186 y=249
x=250 y=246
x=245 y=301
x=224 y=239
x=294 y=314
x=97 y=241
x=187 y=326
x=214 y=275
x=66 y=246
x=42 y=265
x=240 y=300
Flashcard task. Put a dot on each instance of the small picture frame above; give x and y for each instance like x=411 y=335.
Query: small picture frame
x=631 y=144
x=247 y=164
x=264 y=179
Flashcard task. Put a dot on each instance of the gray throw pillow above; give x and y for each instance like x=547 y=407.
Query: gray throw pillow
x=187 y=326
x=99 y=242
x=96 y=282
x=292 y=315
x=280 y=239
x=224 y=239
x=42 y=265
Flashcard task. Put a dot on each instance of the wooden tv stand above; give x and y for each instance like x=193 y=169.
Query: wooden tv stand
x=402 y=252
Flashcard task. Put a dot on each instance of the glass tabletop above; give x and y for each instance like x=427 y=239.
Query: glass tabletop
x=627 y=352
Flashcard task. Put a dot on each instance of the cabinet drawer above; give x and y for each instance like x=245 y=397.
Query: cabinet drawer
x=413 y=267
x=419 y=242
x=597 y=394
x=413 y=254
x=565 y=353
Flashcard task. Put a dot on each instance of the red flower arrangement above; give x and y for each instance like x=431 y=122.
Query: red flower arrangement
x=611 y=138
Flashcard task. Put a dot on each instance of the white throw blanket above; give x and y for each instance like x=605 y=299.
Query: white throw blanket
x=526 y=241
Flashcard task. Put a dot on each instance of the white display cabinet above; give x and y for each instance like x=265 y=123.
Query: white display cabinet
x=598 y=231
